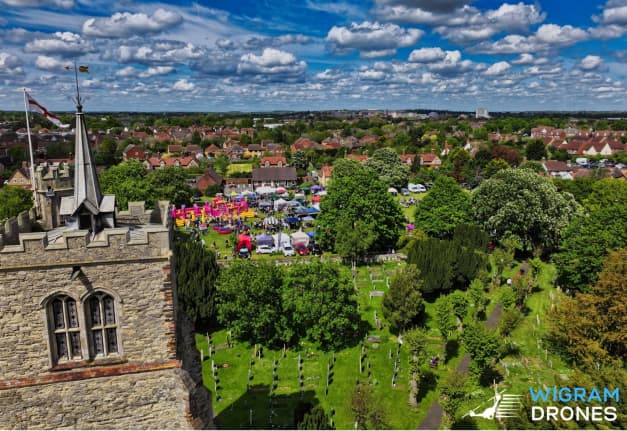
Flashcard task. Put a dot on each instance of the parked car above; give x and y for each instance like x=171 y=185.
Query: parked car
x=264 y=249
x=302 y=250
x=416 y=188
x=288 y=250
x=244 y=253
x=404 y=192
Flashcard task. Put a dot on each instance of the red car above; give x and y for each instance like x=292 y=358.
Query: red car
x=301 y=249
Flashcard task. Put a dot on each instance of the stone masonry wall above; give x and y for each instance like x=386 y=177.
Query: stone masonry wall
x=146 y=317
x=152 y=400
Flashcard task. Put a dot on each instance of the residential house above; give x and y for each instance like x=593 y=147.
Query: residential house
x=180 y=162
x=268 y=161
x=408 y=159
x=324 y=175
x=350 y=141
x=360 y=158
x=175 y=148
x=557 y=169
x=212 y=151
x=547 y=132
x=21 y=177
x=369 y=140
x=209 y=178
x=430 y=160
x=445 y=150
x=274 y=177
x=331 y=144
x=303 y=144
x=255 y=150
x=153 y=163
x=192 y=150
x=274 y=149
x=133 y=152
x=237 y=185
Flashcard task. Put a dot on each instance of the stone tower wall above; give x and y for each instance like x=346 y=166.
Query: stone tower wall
x=153 y=383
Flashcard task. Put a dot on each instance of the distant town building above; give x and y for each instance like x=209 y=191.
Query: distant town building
x=482 y=113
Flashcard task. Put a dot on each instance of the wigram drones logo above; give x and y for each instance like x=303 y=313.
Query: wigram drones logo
x=503 y=406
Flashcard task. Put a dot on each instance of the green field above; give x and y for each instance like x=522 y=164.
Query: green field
x=238 y=168
x=233 y=408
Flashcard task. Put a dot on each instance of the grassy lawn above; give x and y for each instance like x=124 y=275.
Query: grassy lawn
x=409 y=211
x=236 y=402
x=238 y=168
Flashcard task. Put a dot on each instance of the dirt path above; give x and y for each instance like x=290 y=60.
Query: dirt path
x=434 y=415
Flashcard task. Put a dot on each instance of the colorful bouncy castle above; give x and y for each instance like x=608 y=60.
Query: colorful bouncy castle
x=218 y=210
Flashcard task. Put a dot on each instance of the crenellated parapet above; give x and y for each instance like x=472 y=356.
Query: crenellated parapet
x=75 y=247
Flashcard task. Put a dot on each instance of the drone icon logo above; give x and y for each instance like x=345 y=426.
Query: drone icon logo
x=504 y=406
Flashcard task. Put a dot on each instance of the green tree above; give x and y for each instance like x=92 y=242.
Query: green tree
x=459 y=303
x=598 y=334
x=196 y=138
x=221 y=164
x=476 y=293
x=403 y=305
x=586 y=242
x=510 y=319
x=14 y=200
x=416 y=341
x=315 y=419
x=454 y=392
x=444 y=317
x=388 y=167
x=520 y=204
x=353 y=238
x=249 y=303
x=299 y=159
x=606 y=193
x=170 y=183
x=534 y=166
x=127 y=181
x=494 y=166
x=445 y=207
x=535 y=150
x=355 y=194
x=481 y=343
x=319 y=301
x=368 y=412
x=196 y=272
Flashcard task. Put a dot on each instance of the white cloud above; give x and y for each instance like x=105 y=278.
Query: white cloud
x=271 y=61
x=65 y=44
x=590 y=62
x=160 y=51
x=126 y=72
x=50 y=63
x=439 y=6
x=10 y=64
x=127 y=24
x=183 y=85
x=372 y=75
x=498 y=68
x=371 y=36
x=548 y=36
x=525 y=58
x=614 y=12
x=66 y=4
x=556 y=35
x=156 y=71
x=427 y=55
x=339 y=8
x=328 y=75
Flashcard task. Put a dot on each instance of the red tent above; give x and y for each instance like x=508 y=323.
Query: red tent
x=244 y=241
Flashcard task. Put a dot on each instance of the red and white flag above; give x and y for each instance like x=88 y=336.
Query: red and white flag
x=35 y=106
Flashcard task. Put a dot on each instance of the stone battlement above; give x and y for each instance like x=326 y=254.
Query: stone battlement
x=76 y=246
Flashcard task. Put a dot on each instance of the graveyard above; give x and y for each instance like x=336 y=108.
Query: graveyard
x=254 y=386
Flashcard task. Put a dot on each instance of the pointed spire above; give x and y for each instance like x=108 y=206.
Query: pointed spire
x=86 y=186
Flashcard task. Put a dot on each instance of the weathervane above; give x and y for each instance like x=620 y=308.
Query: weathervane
x=85 y=69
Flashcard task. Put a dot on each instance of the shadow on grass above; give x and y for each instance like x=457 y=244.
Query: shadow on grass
x=489 y=376
x=452 y=349
x=255 y=409
x=428 y=383
x=466 y=423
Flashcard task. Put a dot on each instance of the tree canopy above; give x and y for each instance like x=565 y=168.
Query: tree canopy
x=446 y=206
x=355 y=196
x=403 y=305
x=389 y=167
x=196 y=272
x=14 y=200
x=521 y=204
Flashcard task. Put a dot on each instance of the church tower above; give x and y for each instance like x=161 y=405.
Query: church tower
x=90 y=333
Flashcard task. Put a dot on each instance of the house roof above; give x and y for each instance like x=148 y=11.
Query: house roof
x=358 y=157
x=287 y=173
x=429 y=157
x=556 y=166
x=326 y=171
x=273 y=160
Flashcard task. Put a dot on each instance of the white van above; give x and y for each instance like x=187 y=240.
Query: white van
x=416 y=188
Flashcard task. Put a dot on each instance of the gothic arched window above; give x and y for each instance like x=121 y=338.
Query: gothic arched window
x=64 y=328
x=102 y=326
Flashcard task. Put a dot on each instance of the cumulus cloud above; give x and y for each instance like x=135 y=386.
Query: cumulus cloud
x=372 y=39
x=439 y=6
x=271 y=62
x=66 y=4
x=427 y=55
x=65 y=44
x=183 y=85
x=127 y=72
x=125 y=24
x=44 y=62
x=547 y=36
x=10 y=64
x=590 y=62
x=156 y=71
x=371 y=75
x=158 y=51
x=261 y=42
x=498 y=68
x=614 y=12
x=525 y=58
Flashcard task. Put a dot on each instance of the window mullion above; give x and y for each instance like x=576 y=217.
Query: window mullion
x=105 y=346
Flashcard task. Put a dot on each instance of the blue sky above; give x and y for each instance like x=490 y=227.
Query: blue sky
x=253 y=55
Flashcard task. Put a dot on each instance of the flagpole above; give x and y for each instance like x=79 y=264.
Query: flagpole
x=30 y=151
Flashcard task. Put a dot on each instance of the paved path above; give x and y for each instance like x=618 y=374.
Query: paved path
x=434 y=415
